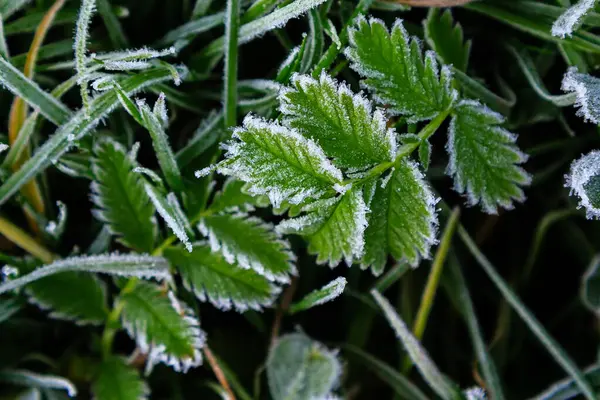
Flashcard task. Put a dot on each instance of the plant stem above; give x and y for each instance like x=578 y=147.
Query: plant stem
x=24 y=241
x=112 y=321
x=212 y=360
x=231 y=61
x=433 y=282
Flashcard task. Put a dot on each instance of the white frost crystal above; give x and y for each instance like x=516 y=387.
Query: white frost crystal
x=570 y=19
x=584 y=181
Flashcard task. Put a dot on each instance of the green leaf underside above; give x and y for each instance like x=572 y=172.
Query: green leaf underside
x=320 y=296
x=251 y=244
x=484 y=158
x=73 y=296
x=120 y=197
x=278 y=162
x=301 y=369
x=343 y=123
x=334 y=228
x=396 y=72
x=211 y=278
x=403 y=219
x=162 y=327
x=77 y=127
x=170 y=211
x=447 y=38
x=115 y=380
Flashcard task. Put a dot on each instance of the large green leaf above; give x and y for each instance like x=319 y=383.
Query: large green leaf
x=484 y=158
x=213 y=279
x=343 y=123
x=403 y=219
x=162 y=327
x=251 y=244
x=119 y=195
x=278 y=162
x=115 y=380
x=396 y=72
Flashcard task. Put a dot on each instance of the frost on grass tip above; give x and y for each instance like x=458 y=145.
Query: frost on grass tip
x=587 y=90
x=571 y=19
x=584 y=181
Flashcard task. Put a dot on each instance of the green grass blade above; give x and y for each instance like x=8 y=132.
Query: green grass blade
x=77 y=126
x=460 y=292
x=581 y=39
x=232 y=24
x=557 y=352
x=404 y=388
x=474 y=89
x=29 y=91
x=113 y=26
x=192 y=28
x=3 y=45
x=9 y=7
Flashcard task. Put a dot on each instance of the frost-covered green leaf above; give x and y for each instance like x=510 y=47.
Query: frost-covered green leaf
x=160 y=142
x=162 y=326
x=223 y=284
x=73 y=296
x=584 y=181
x=587 y=90
x=403 y=218
x=343 y=123
x=278 y=162
x=326 y=294
x=170 y=211
x=131 y=265
x=396 y=72
x=314 y=41
x=299 y=368
x=484 y=159
x=447 y=39
x=115 y=380
x=87 y=10
x=334 y=228
x=571 y=19
x=119 y=195
x=251 y=244
x=430 y=372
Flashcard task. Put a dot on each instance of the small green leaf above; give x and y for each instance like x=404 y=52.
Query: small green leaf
x=251 y=244
x=72 y=296
x=299 y=368
x=223 y=284
x=395 y=71
x=119 y=195
x=334 y=227
x=162 y=327
x=403 y=219
x=484 y=158
x=343 y=123
x=278 y=162
x=320 y=296
x=115 y=380
x=170 y=211
x=447 y=39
